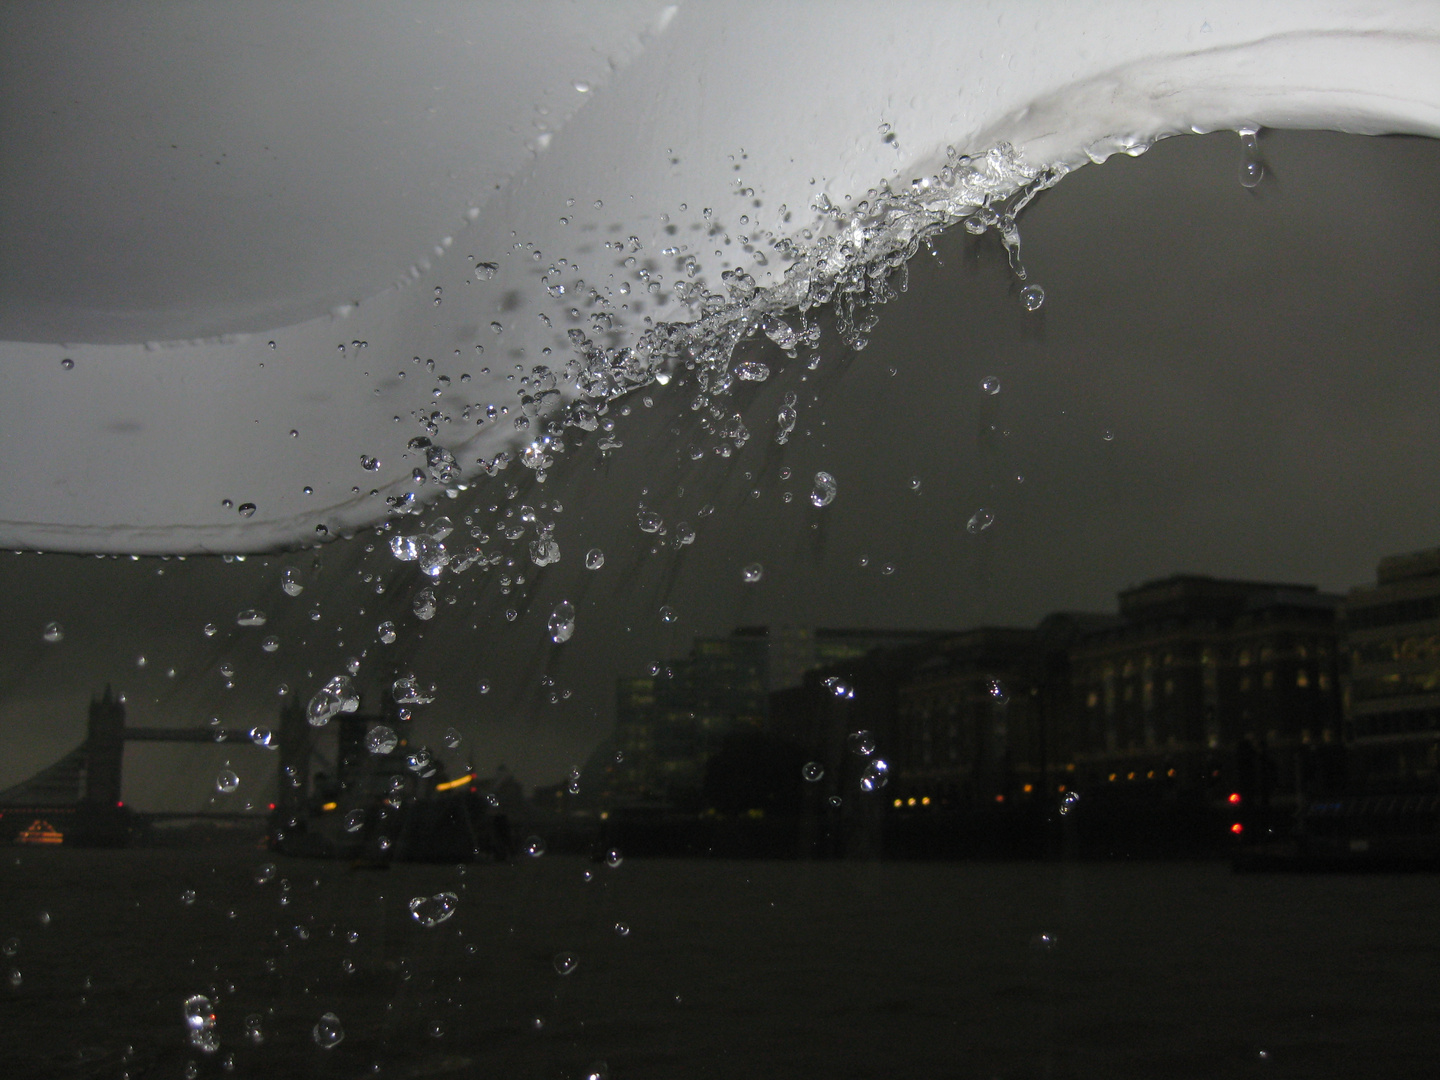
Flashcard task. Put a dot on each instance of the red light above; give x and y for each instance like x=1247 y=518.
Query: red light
x=272 y=806
x=120 y=804
x=1234 y=798
x=999 y=798
x=1237 y=828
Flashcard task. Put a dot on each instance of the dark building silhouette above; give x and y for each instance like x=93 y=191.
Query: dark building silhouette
x=670 y=722
x=1196 y=665
x=1392 y=688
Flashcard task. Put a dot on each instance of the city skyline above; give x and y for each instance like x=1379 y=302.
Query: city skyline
x=1270 y=419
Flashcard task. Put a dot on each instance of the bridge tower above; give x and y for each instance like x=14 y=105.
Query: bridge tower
x=293 y=795
x=101 y=818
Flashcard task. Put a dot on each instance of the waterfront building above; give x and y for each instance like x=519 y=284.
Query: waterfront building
x=1392 y=687
x=1194 y=667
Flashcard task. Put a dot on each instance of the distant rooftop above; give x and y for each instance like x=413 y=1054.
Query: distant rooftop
x=1416 y=564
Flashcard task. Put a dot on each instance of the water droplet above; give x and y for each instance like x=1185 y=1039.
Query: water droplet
x=199 y=1015
x=14 y=978
x=785 y=423
x=1068 y=802
x=327 y=1032
x=431 y=911
x=354 y=821
x=613 y=858
x=824 y=493
x=622 y=929
x=270 y=644
x=650 y=522
x=187 y=897
x=265 y=873
x=261 y=736
x=1109 y=435
x=67 y=364
x=1252 y=169
x=381 y=739
x=667 y=614
x=246 y=509
x=834 y=800
x=562 y=622
x=875 y=776
x=990 y=384
x=534 y=847
x=369 y=464
x=406 y=691
x=839 y=687
x=424 y=605
x=337 y=695
x=752 y=573
x=451 y=738
x=812 y=771
x=53 y=632
x=209 y=629
x=979 y=521
x=594 y=559
x=386 y=631
x=581 y=87
x=565 y=963
x=290 y=581
x=861 y=743
x=250 y=617
x=996 y=689
x=1043 y=942
x=751 y=371
x=226 y=781
x=1032 y=296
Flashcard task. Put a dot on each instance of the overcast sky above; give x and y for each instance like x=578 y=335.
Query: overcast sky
x=1220 y=381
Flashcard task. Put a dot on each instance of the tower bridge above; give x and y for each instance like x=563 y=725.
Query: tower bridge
x=77 y=799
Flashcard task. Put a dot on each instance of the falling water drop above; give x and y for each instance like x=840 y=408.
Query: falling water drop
x=327 y=1032
x=825 y=487
x=562 y=622
x=381 y=739
x=1252 y=169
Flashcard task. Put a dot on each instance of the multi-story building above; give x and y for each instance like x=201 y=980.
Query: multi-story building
x=671 y=721
x=1197 y=665
x=988 y=713
x=1392 y=691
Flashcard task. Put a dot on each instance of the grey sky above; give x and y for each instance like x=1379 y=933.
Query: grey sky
x=1264 y=360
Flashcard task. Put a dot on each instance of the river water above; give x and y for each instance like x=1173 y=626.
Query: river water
x=728 y=969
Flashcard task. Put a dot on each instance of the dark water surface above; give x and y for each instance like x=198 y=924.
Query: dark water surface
x=729 y=969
